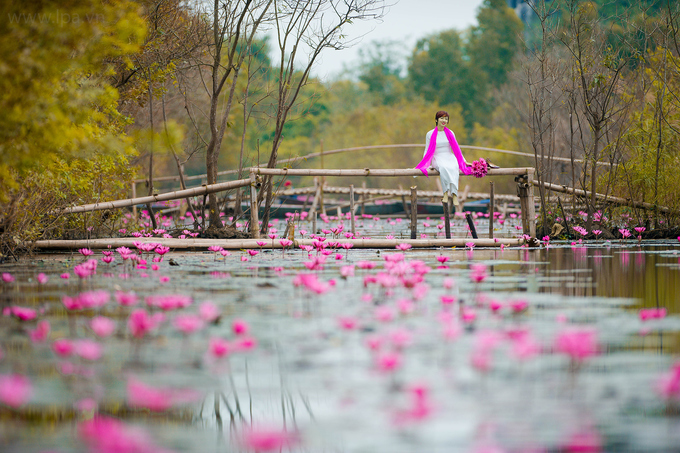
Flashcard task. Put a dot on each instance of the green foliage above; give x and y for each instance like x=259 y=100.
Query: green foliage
x=650 y=171
x=60 y=131
x=381 y=70
x=449 y=69
x=54 y=102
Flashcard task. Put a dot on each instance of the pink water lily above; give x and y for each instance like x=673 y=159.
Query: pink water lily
x=188 y=323
x=103 y=326
x=577 y=343
x=40 y=333
x=140 y=322
x=15 y=390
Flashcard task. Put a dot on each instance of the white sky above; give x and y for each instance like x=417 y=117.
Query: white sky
x=406 y=20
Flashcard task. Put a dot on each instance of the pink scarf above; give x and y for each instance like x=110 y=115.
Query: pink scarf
x=427 y=159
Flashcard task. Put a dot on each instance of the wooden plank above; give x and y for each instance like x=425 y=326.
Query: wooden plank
x=237 y=244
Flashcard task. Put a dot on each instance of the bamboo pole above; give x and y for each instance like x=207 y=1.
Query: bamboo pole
x=616 y=200
x=393 y=192
x=254 y=210
x=491 y=209
x=237 y=244
x=312 y=210
x=351 y=210
x=134 y=195
x=531 y=205
x=203 y=190
x=414 y=211
x=373 y=172
x=447 y=218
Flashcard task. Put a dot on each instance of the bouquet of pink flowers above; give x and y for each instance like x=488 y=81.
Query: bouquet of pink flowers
x=479 y=168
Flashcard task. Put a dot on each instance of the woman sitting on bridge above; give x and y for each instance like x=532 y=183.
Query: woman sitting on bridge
x=443 y=154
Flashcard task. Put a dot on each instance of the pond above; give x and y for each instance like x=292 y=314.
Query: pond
x=568 y=347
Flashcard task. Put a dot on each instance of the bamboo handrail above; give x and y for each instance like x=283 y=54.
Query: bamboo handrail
x=202 y=190
x=361 y=148
x=374 y=172
x=617 y=200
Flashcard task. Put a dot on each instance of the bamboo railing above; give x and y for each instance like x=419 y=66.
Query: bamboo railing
x=524 y=175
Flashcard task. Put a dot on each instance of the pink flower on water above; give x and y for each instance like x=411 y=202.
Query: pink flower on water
x=23 y=313
x=262 y=439
x=384 y=313
x=42 y=278
x=40 y=333
x=88 y=349
x=652 y=313
x=482 y=352
x=102 y=326
x=388 y=361
x=219 y=347
x=519 y=306
x=245 y=344
x=187 y=323
x=108 y=435
x=668 y=384
x=140 y=322
x=65 y=276
x=157 y=399
x=577 y=343
x=442 y=259
x=63 y=347
x=348 y=322
x=208 y=311
x=85 y=252
x=15 y=389
x=240 y=327
x=347 y=271
x=86 y=269
x=478 y=274
x=420 y=407
x=126 y=299
x=7 y=277
x=169 y=301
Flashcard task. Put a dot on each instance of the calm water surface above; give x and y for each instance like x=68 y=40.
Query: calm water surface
x=322 y=385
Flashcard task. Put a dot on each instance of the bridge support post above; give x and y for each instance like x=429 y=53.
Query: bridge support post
x=414 y=211
x=254 y=214
x=525 y=192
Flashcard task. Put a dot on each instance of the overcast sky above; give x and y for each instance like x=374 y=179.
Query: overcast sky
x=406 y=20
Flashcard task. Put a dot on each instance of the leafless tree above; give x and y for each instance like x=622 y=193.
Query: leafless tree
x=304 y=29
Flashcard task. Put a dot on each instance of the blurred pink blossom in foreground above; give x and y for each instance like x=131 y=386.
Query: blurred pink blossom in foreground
x=108 y=435
x=102 y=326
x=15 y=389
x=157 y=399
x=40 y=333
x=267 y=439
x=140 y=322
x=577 y=343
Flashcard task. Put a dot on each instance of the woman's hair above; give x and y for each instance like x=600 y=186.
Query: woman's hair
x=440 y=114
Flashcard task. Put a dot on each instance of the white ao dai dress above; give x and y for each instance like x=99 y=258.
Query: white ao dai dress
x=445 y=162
